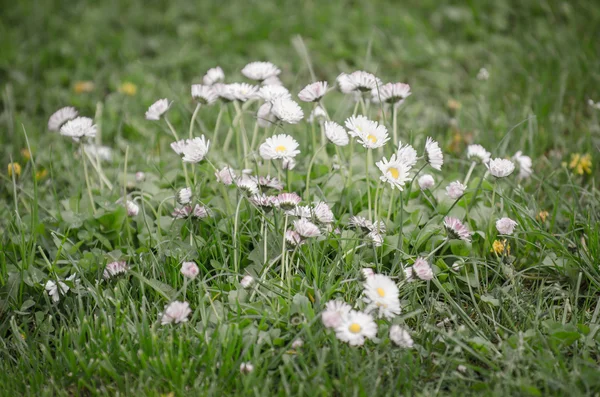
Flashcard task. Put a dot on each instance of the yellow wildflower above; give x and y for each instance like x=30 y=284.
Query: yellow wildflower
x=26 y=154
x=542 y=216
x=42 y=174
x=501 y=247
x=128 y=88
x=16 y=168
x=581 y=164
x=83 y=86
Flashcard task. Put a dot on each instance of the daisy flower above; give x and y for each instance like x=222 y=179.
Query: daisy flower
x=189 y=269
x=375 y=238
x=395 y=172
x=279 y=147
x=394 y=93
x=268 y=182
x=213 y=76
x=273 y=80
x=334 y=313
x=287 y=110
x=53 y=288
x=264 y=201
x=78 y=128
x=483 y=74
x=374 y=137
x=426 y=182
x=455 y=190
x=288 y=201
x=103 y=153
x=264 y=116
x=297 y=344
x=269 y=93
x=306 y=228
x=242 y=91
x=409 y=274
x=360 y=222
x=246 y=281
x=313 y=92
x=157 y=109
x=60 y=117
x=433 y=154
x=288 y=163
x=176 y=312
x=246 y=368
x=323 y=213
x=506 y=226
x=381 y=295
x=193 y=150
x=401 y=337
x=478 y=152
x=247 y=185
x=184 y=196
x=225 y=175
x=408 y=155
x=132 y=208
x=355 y=328
x=422 y=269
x=357 y=125
x=318 y=113
x=204 y=94
x=501 y=167
x=358 y=81
x=525 y=164
x=140 y=176
x=114 y=268
x=336 y=133
x=456 y=229
x=224 y=92
x=301 y=211
x=260 y=70
x=293 y=238
x=200 y=212
x=366 y=272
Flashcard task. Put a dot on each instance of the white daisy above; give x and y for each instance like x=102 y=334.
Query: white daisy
x=336 y=133
x=288 y=201
x=306 y=228
x=78 y=128
x=394 y=93
x=301 y=211
x=140 y=176
x=246 y=368
x=357 y=125
x=360 y=222
x=288 y=163
x=204 y=94
x=293 y=238
x=60 y=117
x=184 y=196
x=157 y=109
x=225 y=175
x=200 y=211
x=433 y=154
x=395 y=172
x=323 y=213
x=422 y=269
x=260 y=70
x=176 y=312
x=279 y=147
x=374 y=138
x=313 y=92
x=114 y=268
x=297 y=344
x=409 y=274
x=240 y=91
x=53 y=288
x=375 y=238
x=287 y=110
x=455 y=190
x=190 y=269
x=501 y=167
x=506 y=226
x=193 y=150
x=408 y=155
x=247 y=185
x=224 y=92
x=456 y=229
x=213 y=76
x=401 y=337
x=132 y=208
x=426 y=182
x=525 y=165
x=273 y=80
x=381 y=295
x=264 y=201
x=246 y=281
x=269 y=93
x=366 y=272
x=478 y=152
x=318 y=113
x=334 y=313
x=267 y=182
x=264 y=116
x=103 y=153
x=355 y=328
x=483 y=74
x=358 y=81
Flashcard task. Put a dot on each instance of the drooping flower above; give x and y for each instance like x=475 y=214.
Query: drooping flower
x=60 y=117
x=505 y=226
x=288 y=201
x=355 y=327
x=434 y=154
x=225 y=175
x=184 y=196
x=381 y=295
x=279 y=147
x=478 y=152
x=455 y=190
x=409 y=274
x=293 y=238
x=456 y=229
x=408 y=155
x=306 y=228
x=193 y=150
x=264 y=116
x=213 y=76
x=79 y=127
x=115 y=268
x=318 y=113
x=260 y=70
x=393 y=93
x=422 y=269
x=334 y=313
x=525 y=165
x=357 y=82
x=426 y=182
x=401 y=337
x=157 y=109
x=287 y=110
x=313 y=92
x=336 y=133
x=176 y=312
x=395 y=172
x=190 y=269
x=501 y=168
x=204 y=94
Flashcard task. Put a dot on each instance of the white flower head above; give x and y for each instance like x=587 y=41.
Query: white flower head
x=370 y=133
x=56 y=290
x=323 y=213
x=79 y=128
x=269 y=93
x=394 y=93
x=200 y=211
x=401 y=337
x=375 y=238
x=426 y=182
x=260 y=70
x=336 y=133
x=318 y=113
x=264 y=201
x=313 y=92
x=366 y=272
x=140 y=176
x=455 y=190
x=103 y=153
x=213 y=76
x=483 y=74
x=288 y=201
x=204 y=94
x=239 y=91
x=409 y=274
x=287 y=110
x=408 y=155
x=293 y=238
x=60 y=117
x=434 y=154
x=247 y=185
x=225 y=175
x=193 y=150
x=184 y=196
x=395 y=172
x=190 y=269
x=176 y=312
x=422 y=269
x=501 y=168
x=246 y=368
x=456 y=229
x=114 y=269
x=288 y=163
x=157 y=109
x=223 y=91
x=381 y=295
x=358 y=82
x=264 y=116
x=478 y=152
x=279 y=147
x=306 y=228
x=355 y=327
x=334 y=313
x=525 y=165
x=273 y=80
x=246 y=281
x=297 y=344
x=506 y=226
x=132 y=208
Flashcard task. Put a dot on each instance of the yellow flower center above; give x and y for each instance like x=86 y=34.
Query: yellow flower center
x=381 y=292
x=395 y=173
x=372 y=138
x=354 y=328
x=280 y=149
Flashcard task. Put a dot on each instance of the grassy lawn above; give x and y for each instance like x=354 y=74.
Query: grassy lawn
x=503 y=314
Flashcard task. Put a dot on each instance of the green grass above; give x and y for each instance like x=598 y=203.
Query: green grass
x=521 y=324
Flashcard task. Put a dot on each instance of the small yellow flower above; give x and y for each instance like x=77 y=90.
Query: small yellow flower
x=128 y=88
x=581 y=164
x=16 y=168
x=500 y=247
x=542 y=216
x=83 y=86
x=26 y=154
x=42 y=174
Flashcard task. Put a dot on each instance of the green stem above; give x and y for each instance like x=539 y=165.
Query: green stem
x=283 y=251
x=312 y=160
x=395 y=125
x=217 y=125
x=368 y=178
x=235 y=239
x=469 y=173
x=193 y=122
x=87 y=181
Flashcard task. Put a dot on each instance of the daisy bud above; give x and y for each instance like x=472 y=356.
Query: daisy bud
x=297 y=344
x=132 y=208
x=176 y=312
x=140 y=176
x=426 y=182
x=422 y=269
x=184 y=196
x=401 y=337
x=367 y=272
x=408 y=274
x=434 y=154
x=114 y=268
x=501 y=168
x=455 y=190
x=246 y=281
x=189 y=270
x=157 y=109
x=505 y=226
x=225 y=175
x=246 y=368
